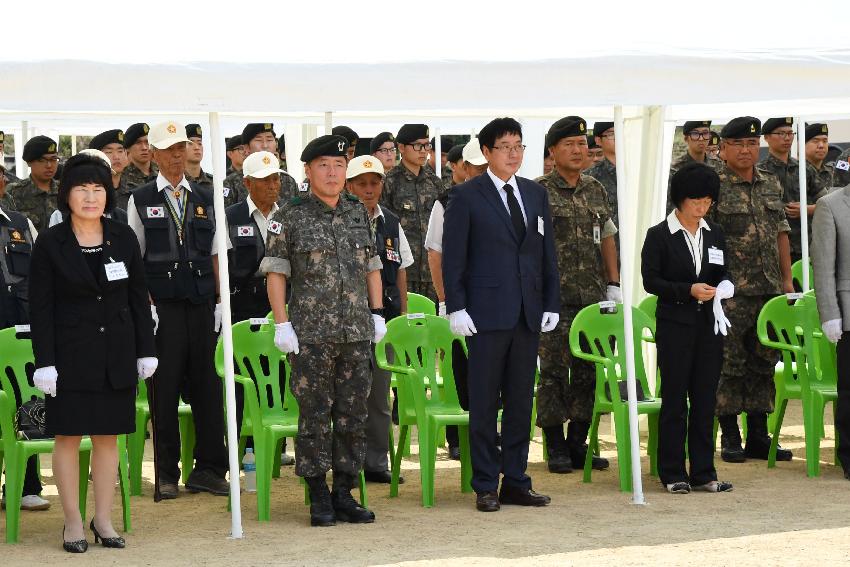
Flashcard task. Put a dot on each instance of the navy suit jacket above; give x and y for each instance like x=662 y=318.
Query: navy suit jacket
x=486 y=269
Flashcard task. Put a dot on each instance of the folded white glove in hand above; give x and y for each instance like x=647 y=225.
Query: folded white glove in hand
x=155 y=318
x=380 y=328
x=832 y=330
x=724 y=290
x=550 y=321
x=217 y=315
x=45 y=379
x=721 y=323
x=284 y=338
x=441 y=310
x=461 y=323
x=146 y=366
x=614 y=293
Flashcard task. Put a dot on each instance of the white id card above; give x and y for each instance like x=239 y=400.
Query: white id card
x=540 y=226
x=793 y=296
x=597 y=234
x=715 y=256
x=258 y=321
x=116 y=271
x=22 y=328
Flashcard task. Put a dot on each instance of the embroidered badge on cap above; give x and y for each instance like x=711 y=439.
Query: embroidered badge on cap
x=267 y=127
x=145 y=128
x=172 y=129
x=824 y=129
x=245 y=231
x=340 y=145
x=266 y=160
x=198 y=131
x=752 y=128
x=275 y=227
x=367 y=164
x=581 y=126
x=51 y=148
x=120 y=136
x=156 y=213
x=789 y=120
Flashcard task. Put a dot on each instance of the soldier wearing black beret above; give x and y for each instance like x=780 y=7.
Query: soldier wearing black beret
x=235 y=150
x=111 y=143
x=194 y=155
x=697 y=134
x=713 y=148
x=454 y=160
x=350 y=136
x=141 y=169
x=383 y=147
x=445 y=146
x=594 y=153
x=6 y=201
x=35 y=196
x=817 y=146
x=258 y=136
x=605 y=170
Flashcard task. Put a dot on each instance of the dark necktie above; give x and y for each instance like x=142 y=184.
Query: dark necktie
x=516 y=213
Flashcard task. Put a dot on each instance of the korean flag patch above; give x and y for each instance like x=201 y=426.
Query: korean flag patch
x=245 y=231
x=156 y=213
x=274 y=227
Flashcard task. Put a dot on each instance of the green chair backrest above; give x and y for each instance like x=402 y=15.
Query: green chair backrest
x=17 y=364
x=797 y=274
x=777 y=327
x=600 y=338
x=820 y=353
x=8 y=435
x=420 y=304
x=648 y=305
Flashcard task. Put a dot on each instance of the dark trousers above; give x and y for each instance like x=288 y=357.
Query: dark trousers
x=32 y=484
x=501 y=365
x=842 y=406
x=460 y=369
x=379 y=418
x=185 y=344
x=690 y=358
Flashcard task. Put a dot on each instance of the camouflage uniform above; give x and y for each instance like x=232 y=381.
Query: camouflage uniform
x=204 y=179
x=823 y=177
x=122 y=193
x=605 y=173
x=235 y=190
x=7 y=202
x=841 y=177
x=133 y=177
x=789 y=179
x=32 y=202
x=412 y=197
x=566 y=388
x=752 y=216
x=325 y=254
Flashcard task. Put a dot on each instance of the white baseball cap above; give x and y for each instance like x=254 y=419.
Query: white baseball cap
x=98 y=154
x=260 y=165
x=363 y=164
x=165 y=134
x=472 y=152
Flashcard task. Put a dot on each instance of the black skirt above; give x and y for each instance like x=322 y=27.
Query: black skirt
x=101 y=412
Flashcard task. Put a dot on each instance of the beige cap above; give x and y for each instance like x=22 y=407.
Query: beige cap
x=472 y=152
x=98 y=154
x=165 y=134
x=363 y=164
x=260 y=165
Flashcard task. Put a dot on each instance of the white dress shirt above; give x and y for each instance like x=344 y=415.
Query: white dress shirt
x=261 y=220
x=694 y=241
x=434 y=236
x=504 y=194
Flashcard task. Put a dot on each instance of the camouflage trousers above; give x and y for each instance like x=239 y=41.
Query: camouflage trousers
x=331 y=383
x=567 y=385
x=746 y=380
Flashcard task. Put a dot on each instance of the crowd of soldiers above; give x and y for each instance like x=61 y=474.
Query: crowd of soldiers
x=335 y=256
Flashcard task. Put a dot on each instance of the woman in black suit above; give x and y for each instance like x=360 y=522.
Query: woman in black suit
x=92 y=337
x=683 y=263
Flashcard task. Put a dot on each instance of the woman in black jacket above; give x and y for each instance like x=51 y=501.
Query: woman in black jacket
x=92 y=337
x=683 y=263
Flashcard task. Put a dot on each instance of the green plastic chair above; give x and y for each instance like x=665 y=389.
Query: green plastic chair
x=797 y=274
x=649 y=305
x=595 y=331
x=420 y=304
x=422 y=345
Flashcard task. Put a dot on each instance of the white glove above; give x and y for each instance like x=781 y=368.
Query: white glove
x=155 y=318
x=461 y=323
x=832 y=330
x=45 y=379
x=721 y=323
x=724 y=290
x=550 y=320
x=146 y=366
x=380 y=328
x=614 y=293
x=284 y=338
x=217 y=315
x=441 y=309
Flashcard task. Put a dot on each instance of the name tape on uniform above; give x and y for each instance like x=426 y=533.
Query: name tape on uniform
x=259 y=320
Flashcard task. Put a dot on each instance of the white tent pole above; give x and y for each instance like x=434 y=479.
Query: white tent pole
x=329 y=122
x=73 y=145
x=804 y=215
x=226 y=333
x=438 y=157
x=21 y=167
x=625 y=282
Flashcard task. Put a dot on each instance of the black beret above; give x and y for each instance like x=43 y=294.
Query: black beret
x=347 y=133
x=380 y=140
x=599 y=128
x=455 y=153
x=327 y=145
x=445 y=143
x=233 y=142
x=772 y=124
x=255 y=128
x=2 y=137
x=591 y=143
x=694 y=180
x=816 y=129
x=194 y=131
x=37 y=147
x=134 y=132
x=281 y=143
x=692 y=125
x=741 y=127
x=105 y=138
x=409 y=133
x=715 y=139
x=564 y=128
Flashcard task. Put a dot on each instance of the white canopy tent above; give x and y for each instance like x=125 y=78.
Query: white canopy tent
x=538 y=62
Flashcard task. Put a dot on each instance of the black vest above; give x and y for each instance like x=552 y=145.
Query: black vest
x=388 y=249
x=248 y=246
x=15 y=253
x=175 y=268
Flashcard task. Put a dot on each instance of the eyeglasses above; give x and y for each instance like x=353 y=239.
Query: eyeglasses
x=388 y=151
x=787 y=134
x=45 y=160
x=420 y=147
x=519 y=148
x=699 y=135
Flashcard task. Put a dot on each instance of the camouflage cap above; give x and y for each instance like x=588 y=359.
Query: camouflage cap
x=692 y=125
x=772 y=124
x=105 y=138
x=380 y=140
x=37 y=147
x=741 y=127
x=327 y=145
x=251 y=130
x=194 y=131
x=134 y=132
x=816 y=129
x=564 y=128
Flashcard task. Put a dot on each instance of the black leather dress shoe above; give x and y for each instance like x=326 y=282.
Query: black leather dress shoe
x=381 y=477
x=522 y=497
x=207 y=481
x=168 y=490
x=487 y=501
x=454 y=453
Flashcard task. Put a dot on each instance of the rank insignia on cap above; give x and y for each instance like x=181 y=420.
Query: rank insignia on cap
x=267 y=127
x=581 y=127
x=340 y=145
x=121 y=137
x=275 y=227
x=155 y=213
x=172 y=129
x=266 y=160
x=245 y=231
x=145 y=128
x=367 y=164
x=752 y=128
x=198 y=131
x=823 y=129
x=2 y=136
x=51 y=148
x=789 y=120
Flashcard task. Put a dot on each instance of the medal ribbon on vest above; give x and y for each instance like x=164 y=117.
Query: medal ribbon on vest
x=177 y=215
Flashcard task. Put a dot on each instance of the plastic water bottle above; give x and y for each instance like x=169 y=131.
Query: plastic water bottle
x=249 y=467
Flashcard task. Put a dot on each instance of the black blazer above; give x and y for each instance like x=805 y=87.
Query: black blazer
x=668 y=271
x=486 y=269
x=90 y=328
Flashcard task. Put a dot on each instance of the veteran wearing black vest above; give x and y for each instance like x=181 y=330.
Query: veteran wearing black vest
x=365 y=176
x=175 y=223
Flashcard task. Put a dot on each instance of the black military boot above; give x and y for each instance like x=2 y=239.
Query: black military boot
x=758 y=441
x=346 y=507
x=576 y=441
x=559 y=453
x=321 y=509
x=730 y=440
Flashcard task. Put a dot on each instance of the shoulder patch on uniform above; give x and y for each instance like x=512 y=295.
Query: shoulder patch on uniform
x=296 y=200
x=275 y=227
x=351 y=197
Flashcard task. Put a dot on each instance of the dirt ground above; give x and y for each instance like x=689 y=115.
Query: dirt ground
x=773 y=517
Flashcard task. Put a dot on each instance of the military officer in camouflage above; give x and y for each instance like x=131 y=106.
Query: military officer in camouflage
x=454 y=161
x=258 y=137
x=6 y=200
x=410 y=190
x=194 y=155
x=350 y=136
x=594 y=154
x=841 y=171
x=235 y=153
x=779 y=135
x=587 y=259
x=35 y=196
x=817 y=146
x=697 y=134
x=322 y=244
x=141 y=169
x=713 y=148
x=111 y=143
x=384 y=148
x=605 y=170
x=752 y=214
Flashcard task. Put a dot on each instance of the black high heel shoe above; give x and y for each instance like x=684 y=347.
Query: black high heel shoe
x=116 y=542
x=79 y=546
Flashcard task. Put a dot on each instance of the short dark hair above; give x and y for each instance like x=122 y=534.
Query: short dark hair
x=497 y=128
x=694 y=181
x=79 y=170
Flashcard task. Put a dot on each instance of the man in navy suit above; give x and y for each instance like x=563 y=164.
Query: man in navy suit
x=501 y=283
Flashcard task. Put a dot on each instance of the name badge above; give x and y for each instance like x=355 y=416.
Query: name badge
x=156 y=213
x=116 y=271
x=407 y=206
x=597 y=234
x=245 y=231
x=275 y=227
x=393 y=256
x=715 y=256
x=259 y=320
x=540 y=228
